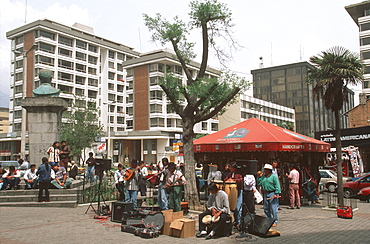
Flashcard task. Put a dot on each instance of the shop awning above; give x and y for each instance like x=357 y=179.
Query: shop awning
x=257 y=135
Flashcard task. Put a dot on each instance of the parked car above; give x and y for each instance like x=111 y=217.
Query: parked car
x=351 y=188
x=329 y=179
x=364 y=194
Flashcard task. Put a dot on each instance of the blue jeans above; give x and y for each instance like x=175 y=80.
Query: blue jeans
x=271 y=206
x=90 y=173
x=238 y=207
x=131 y=195
x=31 y=185
x=162 y=198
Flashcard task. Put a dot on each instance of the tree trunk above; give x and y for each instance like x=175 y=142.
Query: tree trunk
x=338 y=146
x=191 y=191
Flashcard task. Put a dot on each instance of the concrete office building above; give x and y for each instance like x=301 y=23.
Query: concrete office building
x=360 y=13
x=286 y=85
x=93 y=71
x=248 y=107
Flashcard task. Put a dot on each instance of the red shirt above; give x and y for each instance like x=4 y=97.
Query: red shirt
x=238 y=178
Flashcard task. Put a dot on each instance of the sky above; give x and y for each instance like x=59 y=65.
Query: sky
x=281 y=32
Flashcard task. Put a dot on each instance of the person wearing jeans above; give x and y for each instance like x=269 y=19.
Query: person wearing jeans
x=162 y=193
x=271 y=190
x=45 y=174
x=132 y=183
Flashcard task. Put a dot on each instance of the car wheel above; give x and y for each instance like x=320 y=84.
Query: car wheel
x=331 y=187
x=347 y=192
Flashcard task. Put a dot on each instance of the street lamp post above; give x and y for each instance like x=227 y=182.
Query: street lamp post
x=24 y=94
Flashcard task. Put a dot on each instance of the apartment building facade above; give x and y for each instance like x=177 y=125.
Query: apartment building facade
x=247 y=107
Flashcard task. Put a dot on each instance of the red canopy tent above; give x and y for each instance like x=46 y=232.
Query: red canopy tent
x=254 y=135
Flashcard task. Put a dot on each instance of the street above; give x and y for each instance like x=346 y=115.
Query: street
x=310 y=224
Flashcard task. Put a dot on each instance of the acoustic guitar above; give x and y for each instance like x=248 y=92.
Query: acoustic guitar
x=130 y=173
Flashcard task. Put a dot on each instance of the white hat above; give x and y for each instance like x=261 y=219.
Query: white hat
x=267 y=166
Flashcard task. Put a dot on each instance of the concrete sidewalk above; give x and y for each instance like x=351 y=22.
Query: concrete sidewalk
x=310 y=224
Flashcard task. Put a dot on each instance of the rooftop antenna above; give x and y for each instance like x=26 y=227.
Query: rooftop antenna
x=261 y=63
x=139 y=38
x=25 y=13
x=271 y=54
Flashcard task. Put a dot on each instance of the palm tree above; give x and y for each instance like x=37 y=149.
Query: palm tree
x=334 y=70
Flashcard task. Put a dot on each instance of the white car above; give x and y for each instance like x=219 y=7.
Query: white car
x=329 y=179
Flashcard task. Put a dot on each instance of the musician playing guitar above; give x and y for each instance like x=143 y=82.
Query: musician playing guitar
x=132 y=175
x=174 y=182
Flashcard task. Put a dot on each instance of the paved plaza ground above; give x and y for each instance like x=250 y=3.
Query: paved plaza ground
x=310 y=224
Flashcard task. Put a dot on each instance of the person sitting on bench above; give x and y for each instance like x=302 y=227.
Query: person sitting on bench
x=217 y=206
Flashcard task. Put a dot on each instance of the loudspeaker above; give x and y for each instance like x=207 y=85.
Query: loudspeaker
x=118 y=208
x=103 y=164
x=259 y=224
x=246 y=166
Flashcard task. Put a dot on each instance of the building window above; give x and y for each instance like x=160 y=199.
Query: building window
x=19 y=76
x=17 y=127
x=80 y=80
x=214 y=127
x=80 y=103
x=130 y=98
x=155 y=108
x=92 y=94
x=66 y=89
x=46 y=47
x=155 y=80
x=119 y=67
x=65 y=41
x=120 y=120
x=111 y=54
x=157 y=122
x=65 y=64
x=178 y=70
x=44 y=60
x=93 y=48
x=65 y=52
x=80 y=56
x=81 y=44
x=18 y=114
x=80 y=92
x=204 y=126
x=366 y=55
x=130 y=72
x=18 y=40
x=17 y=101
x=120 y=88
x=45 y=34
x=120 y=99
x=130 y=111
x=18 y=89
x=178 y=123
x=92 y=82
x=91 y=71
x=111 y=97
x=121 y=56
x=111 y=65
x=155 y=95
x=111 y=75
x=92 y=60
x=65 y=77
x=169 y=122
x=81 y=68
x=111 y=86
x=91 y=104
x=367 y=70
x=130 y=124
x=19 y=64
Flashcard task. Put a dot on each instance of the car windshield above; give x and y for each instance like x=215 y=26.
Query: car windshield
x=334 y=173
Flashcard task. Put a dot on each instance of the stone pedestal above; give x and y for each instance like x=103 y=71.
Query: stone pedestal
x=44 y=116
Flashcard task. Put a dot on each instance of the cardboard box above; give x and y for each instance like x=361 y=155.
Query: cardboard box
x=183 y=228
x=169 y=217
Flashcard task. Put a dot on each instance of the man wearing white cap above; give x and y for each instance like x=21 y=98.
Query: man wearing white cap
x=271 y=190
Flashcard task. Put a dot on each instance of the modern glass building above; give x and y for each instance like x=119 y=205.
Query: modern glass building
x=286 y=85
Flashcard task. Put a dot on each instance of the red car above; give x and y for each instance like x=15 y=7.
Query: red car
x=364 y=194
x=351 y=188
